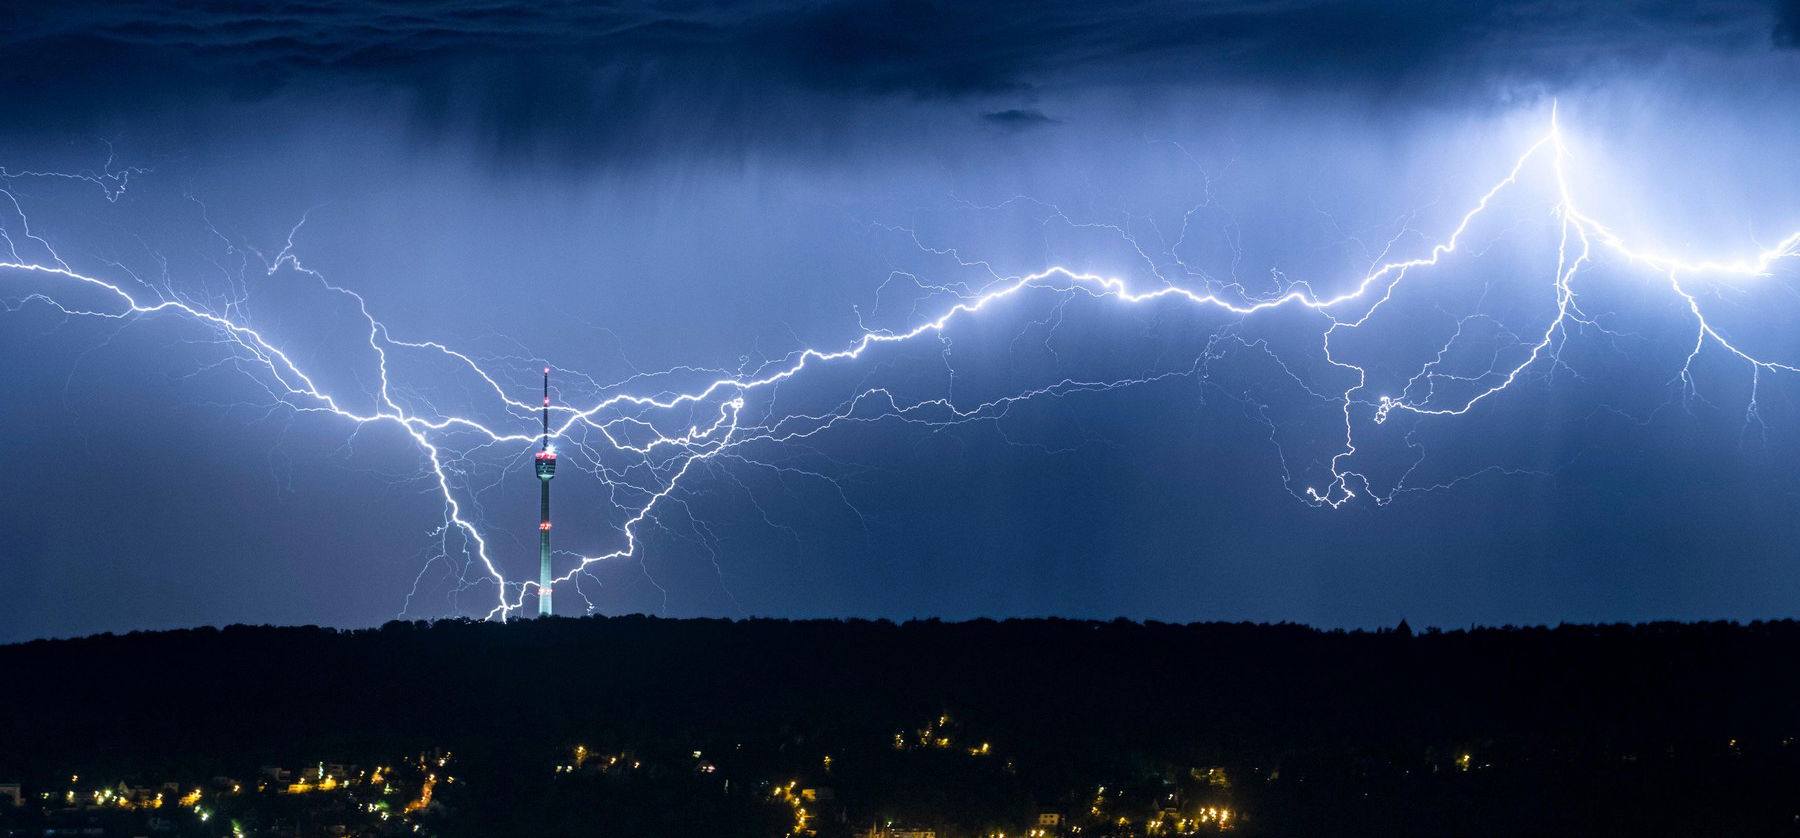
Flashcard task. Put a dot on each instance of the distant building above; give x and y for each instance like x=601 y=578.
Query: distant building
x=11 y=795
x=900 y=832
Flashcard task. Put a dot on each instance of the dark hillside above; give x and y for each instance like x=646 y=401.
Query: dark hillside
x=1651 y=729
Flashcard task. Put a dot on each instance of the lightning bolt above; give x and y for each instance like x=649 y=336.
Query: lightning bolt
x=644 y=437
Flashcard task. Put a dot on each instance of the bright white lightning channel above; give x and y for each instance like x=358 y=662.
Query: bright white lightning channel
x=669 y=458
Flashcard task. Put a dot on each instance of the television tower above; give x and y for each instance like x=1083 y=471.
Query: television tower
x=546 y=469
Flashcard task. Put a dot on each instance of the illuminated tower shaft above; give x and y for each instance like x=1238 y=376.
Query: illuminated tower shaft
x=546 y=469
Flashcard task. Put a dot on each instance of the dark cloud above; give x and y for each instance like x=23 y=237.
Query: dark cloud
x=1787 y=25
x=510 y=71
x=1018 y=118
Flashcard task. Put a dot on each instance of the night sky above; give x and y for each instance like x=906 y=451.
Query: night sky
x=648 y=197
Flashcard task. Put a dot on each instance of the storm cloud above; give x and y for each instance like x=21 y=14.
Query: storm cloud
x=608 y=77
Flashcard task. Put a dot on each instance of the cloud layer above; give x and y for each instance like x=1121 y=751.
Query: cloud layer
x=514 y=70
